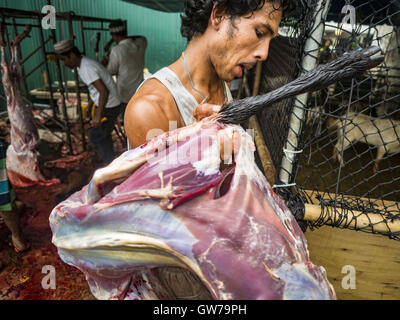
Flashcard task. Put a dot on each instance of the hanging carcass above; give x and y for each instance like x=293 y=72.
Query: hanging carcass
x=22 y=162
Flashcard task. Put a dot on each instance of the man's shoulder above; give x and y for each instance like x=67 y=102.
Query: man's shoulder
x=91 y=69
x=153 y=95
x=153 y=90
x=136 y=41
x=124 y=46
x=140 y=39
x=88 y=62
x=116 y=48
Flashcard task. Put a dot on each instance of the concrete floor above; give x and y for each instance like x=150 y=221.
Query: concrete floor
x=22 y=278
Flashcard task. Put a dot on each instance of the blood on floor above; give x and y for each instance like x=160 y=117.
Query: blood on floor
x=22 y=277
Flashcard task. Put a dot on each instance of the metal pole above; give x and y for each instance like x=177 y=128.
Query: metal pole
x=64 y=106
x=96 y=29
x=83 y=38
x=297 y=117
x=20 y=59
x=34 y=69
x=64 y=69
x=78 y=91
x=34 y=51
x=22 y=25
x=43 y=47
x=62 y=92
x=96 y=50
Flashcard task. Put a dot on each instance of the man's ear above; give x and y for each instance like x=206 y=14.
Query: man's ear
x=216 y=17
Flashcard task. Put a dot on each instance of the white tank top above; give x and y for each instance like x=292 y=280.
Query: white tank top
x=183 y=98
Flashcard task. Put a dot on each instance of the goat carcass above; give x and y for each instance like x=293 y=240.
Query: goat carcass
x=22 y=164
x=167 y=204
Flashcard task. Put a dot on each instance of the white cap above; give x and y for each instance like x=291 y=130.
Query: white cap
x=117 y=29
x=63 y=46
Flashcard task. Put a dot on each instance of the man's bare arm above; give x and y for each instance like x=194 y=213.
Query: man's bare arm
x=103 y=98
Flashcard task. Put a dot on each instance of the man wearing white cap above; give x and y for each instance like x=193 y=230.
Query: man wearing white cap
x=102 y=92
x=126 y=61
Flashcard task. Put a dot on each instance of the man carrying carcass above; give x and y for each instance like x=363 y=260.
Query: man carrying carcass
x=225 y=38
x=103 y=92
x=126 y=61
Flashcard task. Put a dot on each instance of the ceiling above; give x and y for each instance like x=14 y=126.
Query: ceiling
x=161 y=5
x=371 y=11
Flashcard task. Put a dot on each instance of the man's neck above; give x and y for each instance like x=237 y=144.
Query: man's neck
x=121 y=39
x=79 y=61
x=201 y=71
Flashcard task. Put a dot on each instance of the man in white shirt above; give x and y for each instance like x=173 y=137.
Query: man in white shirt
x=126 y=61
x=102 y=91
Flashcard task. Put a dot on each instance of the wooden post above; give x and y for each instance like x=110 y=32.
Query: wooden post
x=352 y=219
x=380 y=204
x=355 y=219
x=262 y=149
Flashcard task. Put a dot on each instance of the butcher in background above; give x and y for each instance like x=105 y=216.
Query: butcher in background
x=126 y=61
x=102 y=92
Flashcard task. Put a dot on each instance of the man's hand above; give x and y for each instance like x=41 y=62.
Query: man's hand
x=96 y=121
x=229 y=145
x=229 y=141
x=87 y=112
x=205 y=110
x=103 y=91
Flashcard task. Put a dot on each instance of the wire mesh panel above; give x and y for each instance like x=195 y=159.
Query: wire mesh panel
x=341 y=149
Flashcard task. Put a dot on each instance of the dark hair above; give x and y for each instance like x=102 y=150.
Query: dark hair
x=197 y=12
x=74 y=50
x=118 y=23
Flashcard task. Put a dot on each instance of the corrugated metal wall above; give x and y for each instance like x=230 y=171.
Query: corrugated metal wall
x=161 y=30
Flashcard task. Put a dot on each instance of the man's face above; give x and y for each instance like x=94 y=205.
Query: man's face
x=68 y=60
x=114 y=37
x=240 y=45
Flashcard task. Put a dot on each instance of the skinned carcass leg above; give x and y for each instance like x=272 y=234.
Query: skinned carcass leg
x=22 y=164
